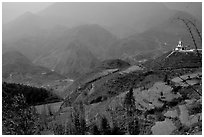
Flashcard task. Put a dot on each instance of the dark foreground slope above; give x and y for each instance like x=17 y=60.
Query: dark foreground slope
x=33 y=96
x=18 y=114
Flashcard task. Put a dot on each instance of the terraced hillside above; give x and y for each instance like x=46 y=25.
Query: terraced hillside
x=160 y=96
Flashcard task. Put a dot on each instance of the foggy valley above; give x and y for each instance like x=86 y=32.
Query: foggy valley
x=102 y=68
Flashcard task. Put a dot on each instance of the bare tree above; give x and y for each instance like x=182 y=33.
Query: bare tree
x=196 y=28
x=186 y=22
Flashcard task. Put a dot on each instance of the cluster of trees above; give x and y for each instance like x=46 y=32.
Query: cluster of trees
x=102 y=126
x=33 y=95
x=18 y=114
x=19 y=117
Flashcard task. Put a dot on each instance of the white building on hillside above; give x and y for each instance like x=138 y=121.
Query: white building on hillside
x=180 y=46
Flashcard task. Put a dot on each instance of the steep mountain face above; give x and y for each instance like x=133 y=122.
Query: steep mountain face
x=77 y=50
x=18 y=68
x=73 y=60
x=97 y=39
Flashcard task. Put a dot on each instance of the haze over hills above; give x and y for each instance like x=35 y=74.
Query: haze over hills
x=74 y=59
x=117 y=68
x=143 y=27
x=18 y=68
x=123 y=20
x=161 y=38
x=116 y=16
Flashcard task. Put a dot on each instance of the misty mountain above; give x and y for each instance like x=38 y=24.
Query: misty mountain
x=119 y=17
x=18 y=68
x=73 y=60
x=40 y=43
x=83 y=45
x=97 y=39
x=122 y=19
x=26 y=25
x=144 y=27
x=53 y=49
x=161 y=38
x=13 y=57
x=40 y=31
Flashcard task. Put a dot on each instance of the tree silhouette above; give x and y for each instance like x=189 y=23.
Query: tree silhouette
x=129 y=103
x=95 y=130
x=132 y=120
x=18 y=118
x=105 y=128
x=79 y=119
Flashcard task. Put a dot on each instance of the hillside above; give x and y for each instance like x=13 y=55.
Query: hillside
x=18 y=68
x=76 y=68
x=72 y=60
x=176 y=60
x=33 y=96
x=159 y=96
x=112 y=81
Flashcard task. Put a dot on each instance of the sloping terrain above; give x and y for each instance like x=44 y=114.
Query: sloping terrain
x=73 y=60
x=33 y=95
x=102 y=70
x=133 y=80
x=176 y=60
x=17 y=68
x=160 y=99
x=112 y=81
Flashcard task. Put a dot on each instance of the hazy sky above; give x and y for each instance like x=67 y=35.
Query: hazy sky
x=11 y=10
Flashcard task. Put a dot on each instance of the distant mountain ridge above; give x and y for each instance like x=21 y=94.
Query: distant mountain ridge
x=163 y=37
x=44 y=38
